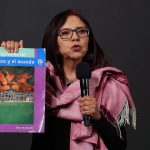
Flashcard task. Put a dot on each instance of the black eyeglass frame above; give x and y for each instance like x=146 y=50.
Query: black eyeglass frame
x=73 y=30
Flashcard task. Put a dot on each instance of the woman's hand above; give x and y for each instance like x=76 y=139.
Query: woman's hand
x=12 y=46
x=88 y=106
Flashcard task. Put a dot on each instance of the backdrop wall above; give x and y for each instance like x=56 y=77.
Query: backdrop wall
x=120 y=27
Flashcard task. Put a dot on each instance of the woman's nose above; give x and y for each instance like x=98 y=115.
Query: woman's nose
x=75 y=36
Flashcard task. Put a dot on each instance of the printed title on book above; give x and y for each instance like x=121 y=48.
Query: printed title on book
x=22 y=58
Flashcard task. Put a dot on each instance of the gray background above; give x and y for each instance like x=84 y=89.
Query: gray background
x=121 y=28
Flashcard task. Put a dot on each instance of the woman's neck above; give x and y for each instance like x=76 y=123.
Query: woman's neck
x=70 y=70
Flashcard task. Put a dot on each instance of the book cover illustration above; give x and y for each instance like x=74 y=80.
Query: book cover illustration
x=22 y=90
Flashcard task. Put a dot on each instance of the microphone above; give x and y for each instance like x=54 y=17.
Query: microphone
x=83 y=73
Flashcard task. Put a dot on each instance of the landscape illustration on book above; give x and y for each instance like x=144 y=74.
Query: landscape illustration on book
x=16 y=95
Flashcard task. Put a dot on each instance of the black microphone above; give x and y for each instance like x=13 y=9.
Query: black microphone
x=83 y=73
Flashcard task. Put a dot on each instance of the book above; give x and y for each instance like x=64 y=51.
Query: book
x=22 y=90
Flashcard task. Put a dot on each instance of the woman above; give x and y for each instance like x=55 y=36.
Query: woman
x=69 y=41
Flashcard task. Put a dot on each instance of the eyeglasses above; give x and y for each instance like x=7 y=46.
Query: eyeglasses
x=68 y=33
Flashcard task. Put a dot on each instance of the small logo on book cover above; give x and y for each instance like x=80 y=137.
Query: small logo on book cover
x=40 y=61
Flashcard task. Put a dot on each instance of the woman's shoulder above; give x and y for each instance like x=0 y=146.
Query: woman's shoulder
x=108 y=70
x=49 y=65
x=111 y=72
x=50 y=68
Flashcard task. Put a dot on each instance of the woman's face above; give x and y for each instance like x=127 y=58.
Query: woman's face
x=73 y=45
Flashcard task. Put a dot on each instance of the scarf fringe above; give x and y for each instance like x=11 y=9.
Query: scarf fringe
x=124 y=117
x=133 y=114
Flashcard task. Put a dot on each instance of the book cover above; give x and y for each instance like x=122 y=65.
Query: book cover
x=22 y=90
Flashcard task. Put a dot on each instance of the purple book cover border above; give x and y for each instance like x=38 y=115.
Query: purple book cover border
x=39 y=106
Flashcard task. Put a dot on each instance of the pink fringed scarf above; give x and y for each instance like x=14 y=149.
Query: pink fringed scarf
x=110 y=86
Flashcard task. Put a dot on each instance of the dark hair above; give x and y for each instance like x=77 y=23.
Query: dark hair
x=95 y=56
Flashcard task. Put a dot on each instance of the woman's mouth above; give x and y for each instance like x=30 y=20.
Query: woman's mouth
x=76 y=47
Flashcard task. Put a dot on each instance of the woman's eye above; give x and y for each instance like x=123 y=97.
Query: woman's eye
x=64 y=32
x=82 y=31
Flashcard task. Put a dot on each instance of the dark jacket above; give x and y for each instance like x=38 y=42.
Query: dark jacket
x=57 y=135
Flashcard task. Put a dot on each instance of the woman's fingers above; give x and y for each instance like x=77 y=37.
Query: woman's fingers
x=3 y=44
x=12 y=46
x=87 y=103
x=16 y=47
x=85 y=110
x=21 y=43
x=8 y=46
x=88 y=106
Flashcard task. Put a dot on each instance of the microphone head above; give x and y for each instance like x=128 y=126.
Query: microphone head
x=83 y=70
